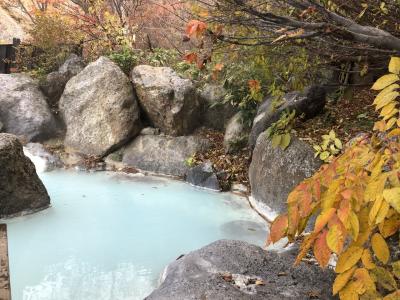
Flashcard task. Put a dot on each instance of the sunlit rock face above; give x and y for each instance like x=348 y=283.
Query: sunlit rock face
x=170 y=102
x=99 y=109
x=20 y=187
x=274 y=172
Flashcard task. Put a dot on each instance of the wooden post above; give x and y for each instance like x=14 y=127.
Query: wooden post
x=3 y=56
x=5 y=290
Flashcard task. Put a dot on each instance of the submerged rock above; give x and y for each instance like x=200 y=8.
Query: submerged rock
x=275 y=172
x=163 y=154
x=20 y=187
x=54 y=84
x=99 y=109
x=203 y=176
x=23 y=108
x=169 y=101
x=310 y=103
x=237 y=270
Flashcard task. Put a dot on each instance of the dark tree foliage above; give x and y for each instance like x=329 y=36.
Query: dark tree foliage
x=337 y=30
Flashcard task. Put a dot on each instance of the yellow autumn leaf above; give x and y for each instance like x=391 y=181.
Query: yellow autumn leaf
x=355 y=225
x=386 y=99
x=384 y=92
x=335 y=239
x=383 y=211
x=349 y=292
x=385 y=81
x=387 y=109
x=390 y=123
x=394 y=132
x=393 y=296
x=366 y=259
x=391 y=114
x=394 y=65
x=392 y=196
x=362 y=276
x=341 y=280
x=380 y=248
x=348 y=259
x=375 y=209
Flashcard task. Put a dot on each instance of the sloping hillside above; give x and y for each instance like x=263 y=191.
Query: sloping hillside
x=9 y=27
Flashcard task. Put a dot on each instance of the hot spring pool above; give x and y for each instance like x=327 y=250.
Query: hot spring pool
x=108 y=236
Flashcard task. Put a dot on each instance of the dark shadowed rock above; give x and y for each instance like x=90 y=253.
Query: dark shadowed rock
x=216 y=113
x=20 y=187
x=274 y=172
x=23 y=108
x=236 y=134
x=99 y=109
x=310 y=103
x=228 y=270
x=163 y=154
x=203 y=176
x=54 y=84
x=170 y=102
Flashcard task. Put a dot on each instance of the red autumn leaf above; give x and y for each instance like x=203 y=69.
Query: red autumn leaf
x=305 y=204
x=218 y=67
x=346 y=194
x=279 y=228
x=254 y=85
x=191 y=58
x=195 y=28
x=321 y=250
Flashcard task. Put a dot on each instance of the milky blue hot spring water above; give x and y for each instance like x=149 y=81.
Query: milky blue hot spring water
x=109 y=237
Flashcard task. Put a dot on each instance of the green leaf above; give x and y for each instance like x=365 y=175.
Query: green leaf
x=324 y=155
x=285 y=141
x=338 y=144
x=276 y=140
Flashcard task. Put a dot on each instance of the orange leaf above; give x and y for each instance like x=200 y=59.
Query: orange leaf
x=279 y=228
x=321 y=249
x=195 y=28
x=323 y=219
x=305 y=246
x=305 y=204
x=191 y=57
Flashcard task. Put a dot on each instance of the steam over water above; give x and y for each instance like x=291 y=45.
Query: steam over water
x=108 y=237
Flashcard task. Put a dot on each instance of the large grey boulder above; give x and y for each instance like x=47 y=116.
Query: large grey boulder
x=233 y=270
x=20 y=187
x=23 y=108
x=236 y=134
x=217 y=112
x=170 y=102
x=275 y=172
x=99 y=109
x=310 y=102
x=54 y=83
x=203 y=176
x=163 y=154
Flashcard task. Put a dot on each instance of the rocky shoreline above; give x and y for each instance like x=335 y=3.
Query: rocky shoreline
x=95 y=118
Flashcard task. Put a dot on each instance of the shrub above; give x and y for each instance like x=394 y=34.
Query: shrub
x=52 y=39
x=357 y=202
